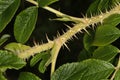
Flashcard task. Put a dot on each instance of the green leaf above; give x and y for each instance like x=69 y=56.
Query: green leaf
x=117 y=75
x=112 y=20
x=106 y=53
x=44 y=57
x=2 y=77
x=84 y=55
x=97 y=6
x=4 y=38
x=28 y=76
x=25 y=24
x=7 y=11
x=16 y=47
x=43 y=3
x=42 y=65
x=91 y=69
x=106 y=34
x=88 y=40
x=36 y=59
x=10 y=61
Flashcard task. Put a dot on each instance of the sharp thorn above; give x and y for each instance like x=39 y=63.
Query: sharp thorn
x=75 y=36
x=67 y=26
x=66 y=46
x=47 y=38
x=86 y=31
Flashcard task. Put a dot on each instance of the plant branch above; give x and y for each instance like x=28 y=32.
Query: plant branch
x=71 y=32
x=36 y=49
x=117 y=68
x=61 y=40
x=58 y=13
x=54 y=54
x=33 y=2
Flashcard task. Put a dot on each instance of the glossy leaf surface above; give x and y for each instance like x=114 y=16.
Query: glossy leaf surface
x=90 y=69
x=84 y=54
x=42 y=66
x=25 y=24
x=97 y=6
x=44 y=57
x=112 y=20
x=106 y=52
x=10 y=61
x=106 y=34
x=88 y=40
x=4 y=38
x=117 y=75
x=16 y=47
x=28 y=76
x=7 y=11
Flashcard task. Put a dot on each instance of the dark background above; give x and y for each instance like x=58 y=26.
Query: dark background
x=45 y=26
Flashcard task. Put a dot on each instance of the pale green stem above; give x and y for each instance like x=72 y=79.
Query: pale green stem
x=58 y=13
x=33 y=2
x=77 y=28
x=117 y=68
x=71 y=32
x=54 y=53
x=36 y=49
x=66 y=36
x=88 y=21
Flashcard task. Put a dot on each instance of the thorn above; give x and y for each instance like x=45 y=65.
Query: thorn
x=67 y=26
x=58 y=34
x=89 y=26
x=66 y=46
x=111 y=7
x=72 y=38
x=34 y=42
x=101 y=21
x=86 y=31
x=47 y=38
x=100 y=11
x=75 y=36
x=63 y=31
x=93 y=26
x=107 y=10
x=84 y=16
x=91 y=14
x=80 y=31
